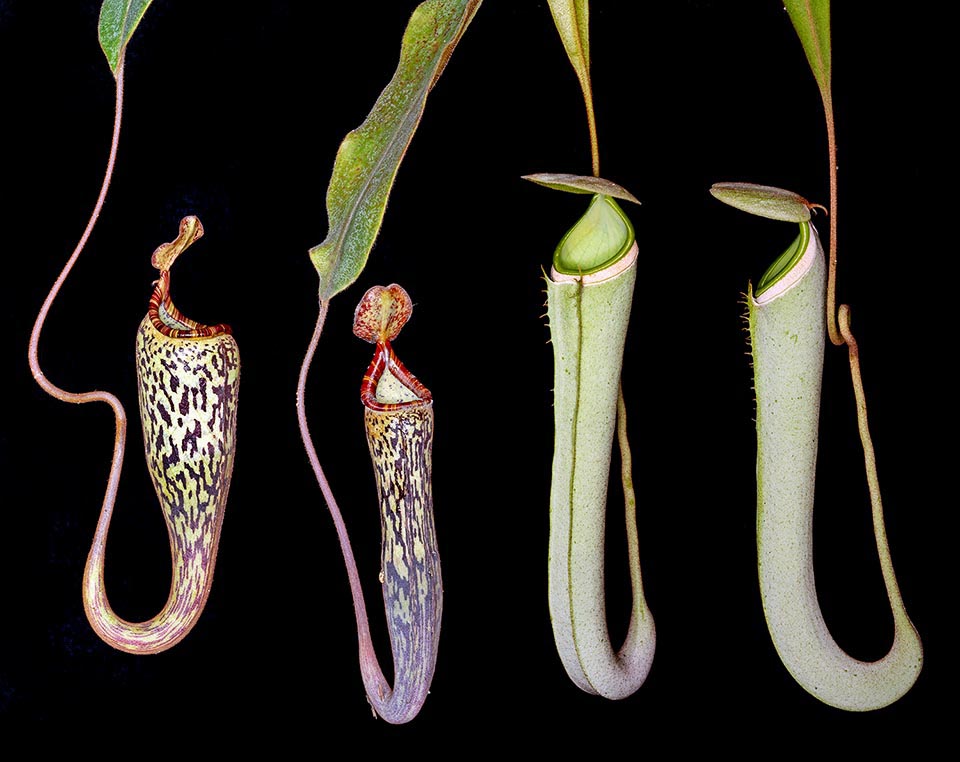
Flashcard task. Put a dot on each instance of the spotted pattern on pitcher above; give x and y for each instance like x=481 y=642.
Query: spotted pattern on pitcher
x=398 y=416
x=401 y=442
x=188 y=377
x=188 y=406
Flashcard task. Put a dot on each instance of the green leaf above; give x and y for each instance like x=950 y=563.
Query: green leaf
x=581 y=184
x=369 y=157
x=811 y=19
x=572 y=19
x=118 y=21
x=764 y=201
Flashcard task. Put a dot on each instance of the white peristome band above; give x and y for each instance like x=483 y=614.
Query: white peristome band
x=600 y=275
x=793 y=276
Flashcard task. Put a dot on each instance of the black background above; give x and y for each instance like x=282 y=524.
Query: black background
x=236 y=115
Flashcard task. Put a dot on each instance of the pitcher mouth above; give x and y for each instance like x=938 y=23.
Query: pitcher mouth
x=388 y=385
x=596 y=245
x=163 y=314
x=790 y=267
x=169 y=321
x=599 y=276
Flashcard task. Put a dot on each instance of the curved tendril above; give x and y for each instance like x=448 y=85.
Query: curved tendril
x=33 y=351
x=119 y=414
x=368 y=662
x=902 y=623
x=178 y=615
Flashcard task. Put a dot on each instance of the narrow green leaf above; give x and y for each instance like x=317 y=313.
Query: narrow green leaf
x=764 y=201
x=118 y=21
x=572 y=19
x=581 y=184
x=369 y=157
x=811 y=19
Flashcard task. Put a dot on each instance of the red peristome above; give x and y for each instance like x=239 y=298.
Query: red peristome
x=385 y=359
